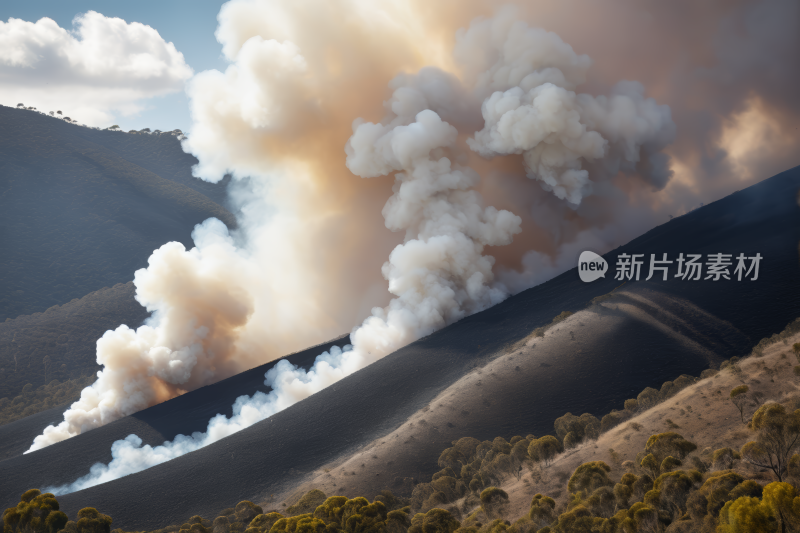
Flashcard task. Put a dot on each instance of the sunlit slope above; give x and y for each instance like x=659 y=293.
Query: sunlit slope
x=665 y=329
x=76 y=216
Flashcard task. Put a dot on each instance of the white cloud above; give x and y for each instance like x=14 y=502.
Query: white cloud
x=103 y=67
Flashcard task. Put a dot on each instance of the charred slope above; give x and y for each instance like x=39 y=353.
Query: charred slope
x=721 y=318
x=75 y=216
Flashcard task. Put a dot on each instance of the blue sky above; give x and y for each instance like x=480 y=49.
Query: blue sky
x=188 y=24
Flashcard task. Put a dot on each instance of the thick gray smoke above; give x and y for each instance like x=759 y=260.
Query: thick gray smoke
x=522 y=80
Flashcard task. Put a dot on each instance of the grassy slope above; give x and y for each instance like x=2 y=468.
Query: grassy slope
x=704 y=413
x=76 y=216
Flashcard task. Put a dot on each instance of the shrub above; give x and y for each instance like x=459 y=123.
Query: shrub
x=305 y=505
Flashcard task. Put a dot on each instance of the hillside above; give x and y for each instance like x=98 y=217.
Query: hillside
x=66 y=335
x=82 y=209
x=517 y=381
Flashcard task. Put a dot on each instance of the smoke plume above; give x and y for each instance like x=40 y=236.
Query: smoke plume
x=460 y=133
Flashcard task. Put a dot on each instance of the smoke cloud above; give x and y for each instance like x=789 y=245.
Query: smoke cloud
x=461 y=133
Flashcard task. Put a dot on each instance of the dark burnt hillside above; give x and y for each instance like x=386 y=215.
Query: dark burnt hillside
x=604 y=366
x=82 y=209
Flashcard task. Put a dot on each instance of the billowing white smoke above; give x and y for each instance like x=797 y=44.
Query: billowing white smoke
x=438 y=274
x=532 y=110
x=289 y=384
x=200 y=304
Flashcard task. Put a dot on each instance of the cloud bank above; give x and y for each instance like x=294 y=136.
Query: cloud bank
x=102 y=67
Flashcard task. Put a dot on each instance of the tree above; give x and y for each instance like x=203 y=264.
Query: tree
x=221 y=524
x=35 y=513
x=304 y=523
x=663 y=445
x=674 y=489
x=783 y=501
x=631 y=405
x=46 y=362
x=361 y=516
x=246 y=511
x=434 y=521
x=723 y=458
x=739 y=398
x=669 y=464
x=572 y=430
x=651 y=464
x=90 y=520
x=114 y=127
x=452 y=458
x=494 y=502
x=306 y=504
x=544 y=449
x=331 y=509
x=744 y=515
x=778 y=433
x=542 y=511
x=20 y=105
x=588 y=477
x=647 y=398
x=58 y=112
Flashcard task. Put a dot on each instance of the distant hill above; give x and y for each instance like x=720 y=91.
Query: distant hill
x=66 y=334
x=82 y=209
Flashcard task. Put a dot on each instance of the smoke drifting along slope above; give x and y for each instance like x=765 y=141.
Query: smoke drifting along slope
x=438 y=275
x=310 y=238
